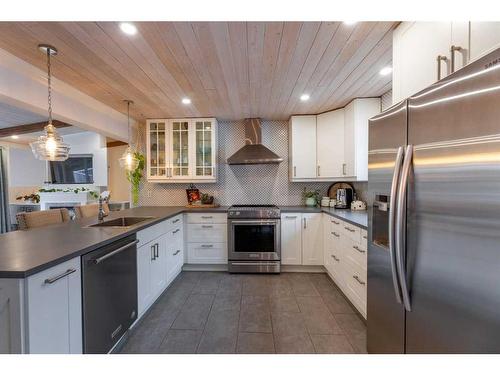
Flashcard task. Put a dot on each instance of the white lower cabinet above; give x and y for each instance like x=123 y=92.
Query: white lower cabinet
x=345 y=259
x=291 y=239
x=159 y=260
x=54 y=310
x=312 y=239
x=206 y=238
x=301 y=239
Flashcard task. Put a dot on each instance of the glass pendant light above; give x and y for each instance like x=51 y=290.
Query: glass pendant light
x=128 y=161
x=50 y=146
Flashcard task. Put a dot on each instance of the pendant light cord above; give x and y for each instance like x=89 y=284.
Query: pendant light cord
x=128 y=122
x=49 y=86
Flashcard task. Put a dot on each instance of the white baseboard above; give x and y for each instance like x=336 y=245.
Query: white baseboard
x=223 y=267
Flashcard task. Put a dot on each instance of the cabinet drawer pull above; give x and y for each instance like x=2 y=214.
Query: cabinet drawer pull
x=364 y=237
x=175 y=231
x=175 y=221
x=336 y=234
x=319 y=174
x=177 y=252
x=343 y=169
x=336 y=259
x=290 y=217
x=305 y=223
x=349 y=229
x=335 y=222
x=355 y=277
x=207 y=217
x=58 y=277
x=207 y=246
x=207 y=226
x=294 y=171
x=358 y=249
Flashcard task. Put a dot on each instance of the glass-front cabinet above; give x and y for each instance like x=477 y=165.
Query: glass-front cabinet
x=181 y=150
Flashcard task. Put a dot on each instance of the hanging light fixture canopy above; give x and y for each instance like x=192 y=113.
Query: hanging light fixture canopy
x=128 y=161
x=49 y=146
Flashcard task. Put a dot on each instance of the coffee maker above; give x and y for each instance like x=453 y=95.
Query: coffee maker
x=344 y=197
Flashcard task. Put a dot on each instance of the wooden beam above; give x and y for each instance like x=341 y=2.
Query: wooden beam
x=115 y=144
x=30 y=128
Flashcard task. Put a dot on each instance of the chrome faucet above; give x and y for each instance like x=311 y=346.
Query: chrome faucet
x=100 y=213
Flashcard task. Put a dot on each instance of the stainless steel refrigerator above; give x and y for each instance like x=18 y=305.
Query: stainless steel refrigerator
x=434 y=217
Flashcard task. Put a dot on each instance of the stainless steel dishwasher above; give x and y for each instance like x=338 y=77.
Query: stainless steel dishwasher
x=109 y=294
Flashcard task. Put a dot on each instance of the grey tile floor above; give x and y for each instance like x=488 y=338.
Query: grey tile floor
x=216 y=312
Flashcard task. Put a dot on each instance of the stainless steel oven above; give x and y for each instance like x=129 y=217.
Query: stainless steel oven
x=254 y=239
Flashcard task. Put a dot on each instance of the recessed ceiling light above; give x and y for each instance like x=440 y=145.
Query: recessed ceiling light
x=385 y=71
x=349 y=23
x=128 y=28
x=14 y=136
x=186 y=101
x=304 y=97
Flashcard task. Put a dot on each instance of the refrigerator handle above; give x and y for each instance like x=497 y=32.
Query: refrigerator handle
x=400 y=227
x=392 y=214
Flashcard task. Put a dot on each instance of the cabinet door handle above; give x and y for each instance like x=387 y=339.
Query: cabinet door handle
x=305 y=223
x=440 y=58
x=157 y=250
x=294 y=171
x=319 y=173
x=335 y=234
x=454 y=49
x=355 y=277
x=290 y=217
x=207 y=217
x=177 y=252
x=175 y=231
x=153 y=256
x=58 y=277
x=349 y=229
x=358 y=249
x=175 y=221
x=335 y=222
x=343 y=168
x=207 y=246
x=335 y=258
x=207 y=226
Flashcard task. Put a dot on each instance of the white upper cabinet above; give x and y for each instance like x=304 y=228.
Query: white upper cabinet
x=416 y=47
x=424 y=52
x=484 y=37
x=181 y=150
x=330 y=143
x=357 y=114
x=302 y=147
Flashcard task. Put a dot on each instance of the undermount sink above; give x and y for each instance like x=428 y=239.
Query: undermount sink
x=123 y=221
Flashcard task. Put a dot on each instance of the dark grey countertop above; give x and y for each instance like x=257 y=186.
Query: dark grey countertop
x=24 y=253
x=358 y=218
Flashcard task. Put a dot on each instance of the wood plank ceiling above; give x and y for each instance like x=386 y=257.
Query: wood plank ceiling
x=230 y=70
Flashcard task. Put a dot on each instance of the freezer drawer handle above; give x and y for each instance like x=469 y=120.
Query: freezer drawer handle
x=336 y=234
x=113 y=253
x=349 y=229
x=400 y=228
x=392 y=215
x=58 y=277
x=355 y=277
x=355 y=247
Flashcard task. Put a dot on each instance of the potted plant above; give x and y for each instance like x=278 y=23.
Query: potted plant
x=135 y=177
x=311 y=197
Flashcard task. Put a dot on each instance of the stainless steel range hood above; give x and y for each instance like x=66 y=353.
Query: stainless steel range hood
x=254 y=152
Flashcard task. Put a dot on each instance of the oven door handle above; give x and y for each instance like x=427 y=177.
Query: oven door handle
x=254 y=221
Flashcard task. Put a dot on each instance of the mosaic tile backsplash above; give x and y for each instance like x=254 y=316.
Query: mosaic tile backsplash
x=243 y=184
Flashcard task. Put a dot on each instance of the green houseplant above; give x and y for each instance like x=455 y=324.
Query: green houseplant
x=311 y=197
x=135 y=177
